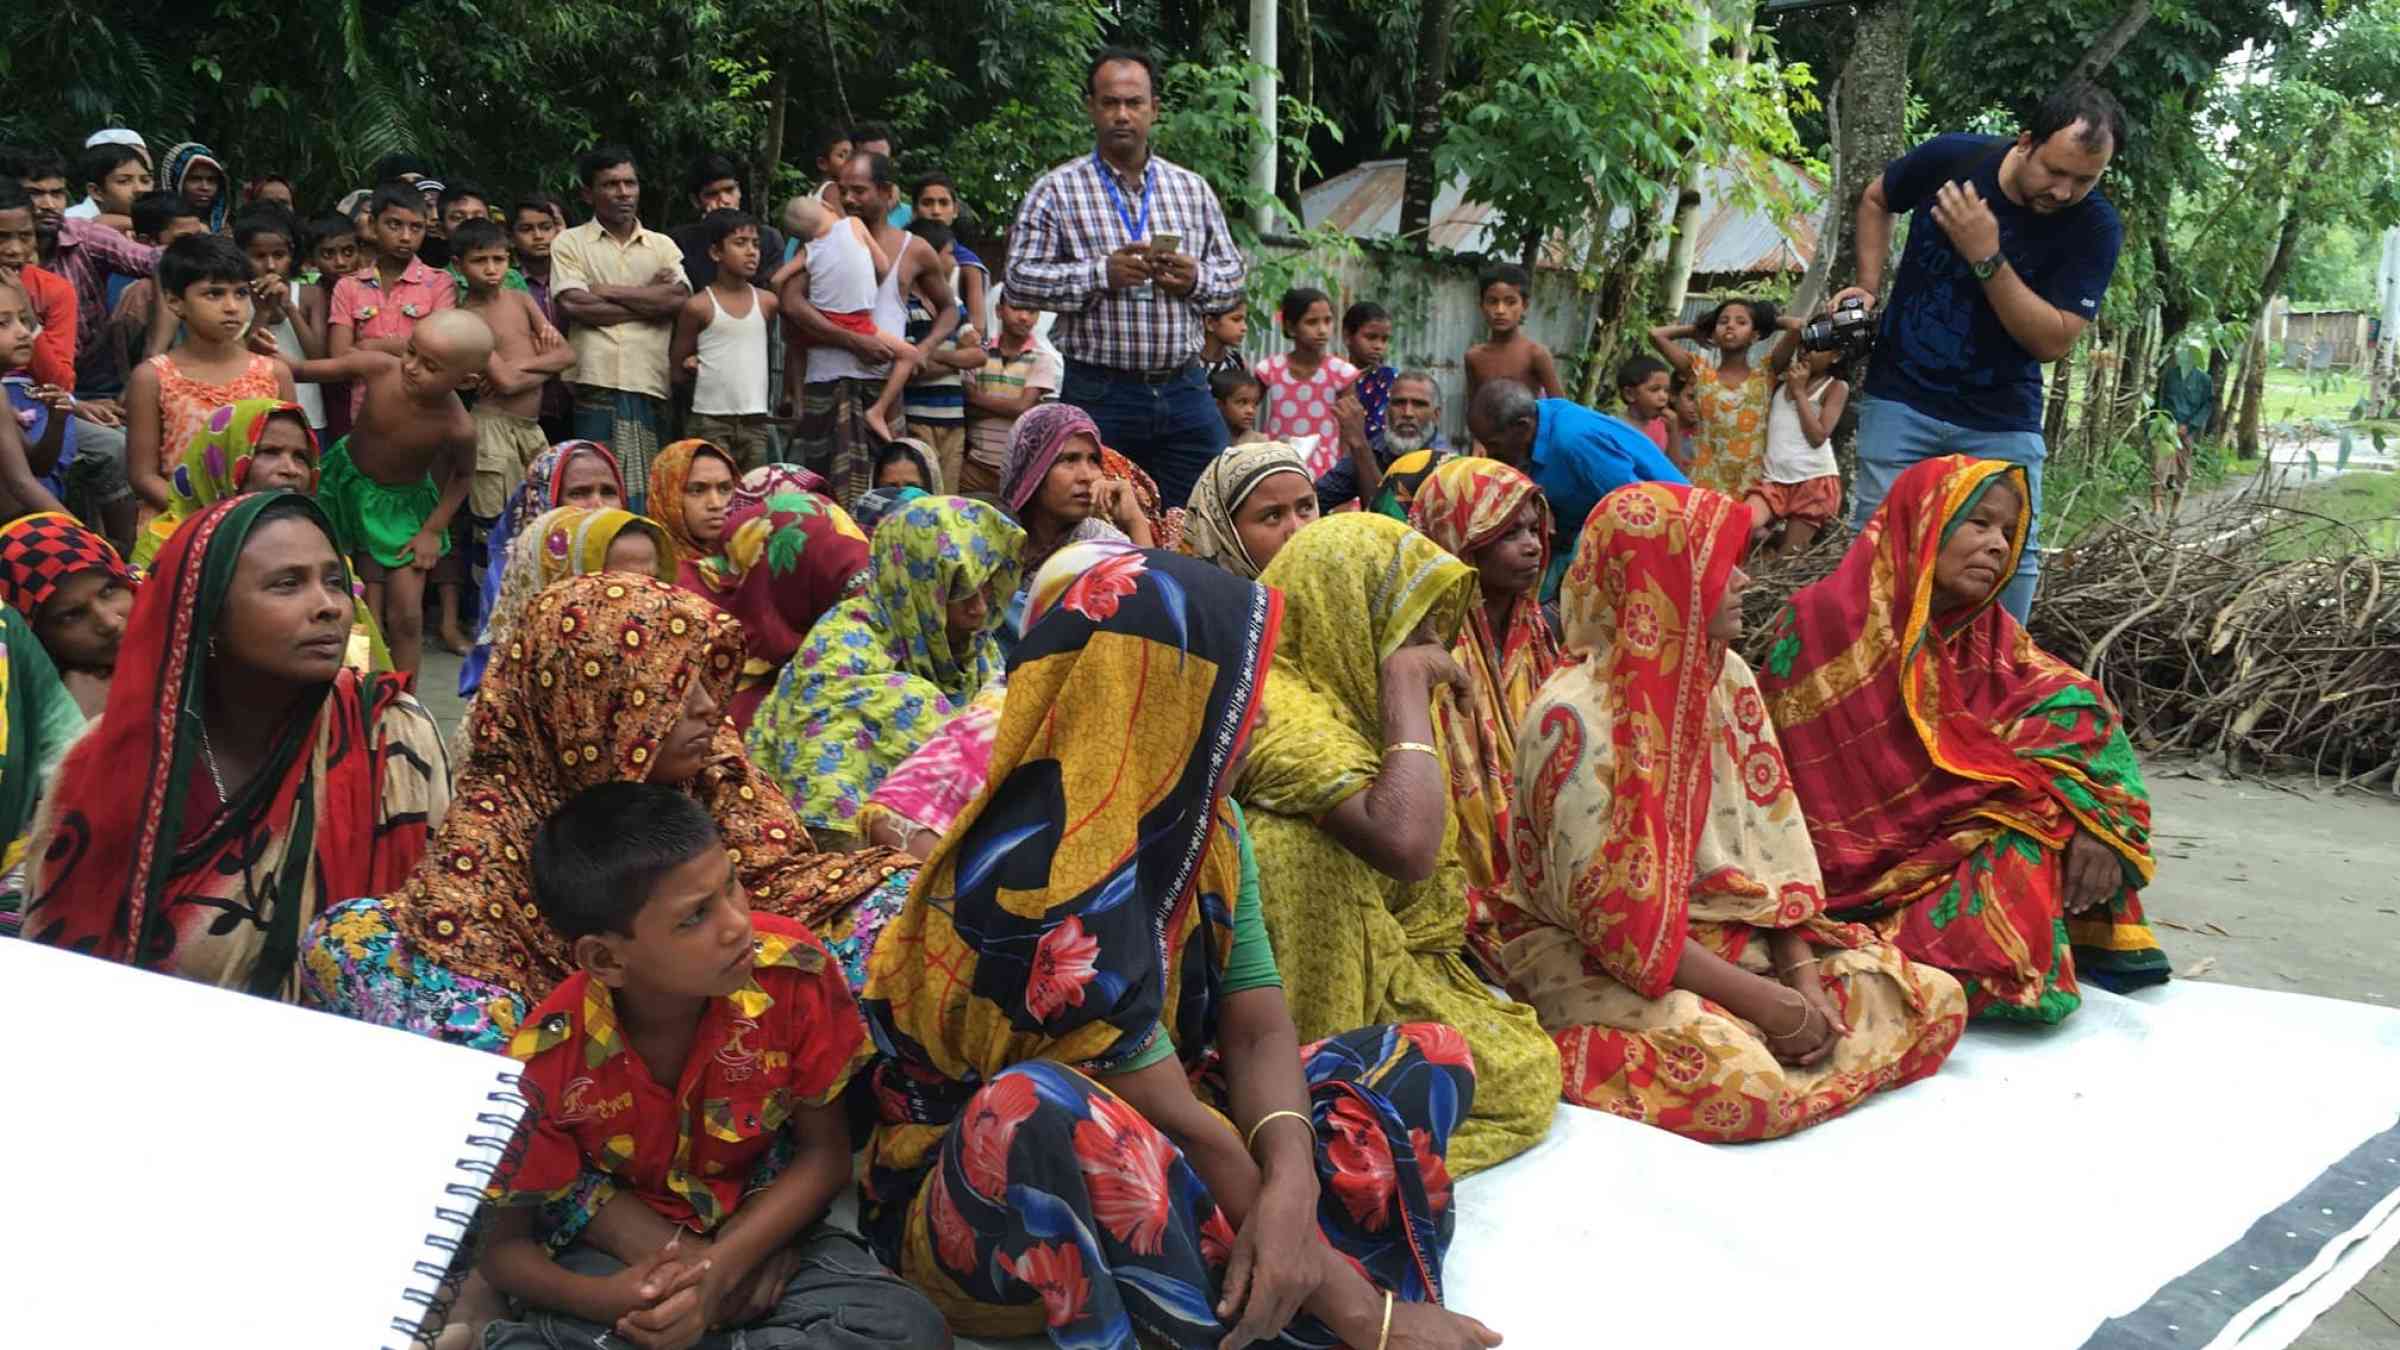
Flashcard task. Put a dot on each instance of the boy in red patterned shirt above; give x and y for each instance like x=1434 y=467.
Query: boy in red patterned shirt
x=694 y=1040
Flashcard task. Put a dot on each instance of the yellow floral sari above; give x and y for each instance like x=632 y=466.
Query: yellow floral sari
x=1356 y=946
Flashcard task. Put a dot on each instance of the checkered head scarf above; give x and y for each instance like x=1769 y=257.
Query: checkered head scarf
x=39 y=552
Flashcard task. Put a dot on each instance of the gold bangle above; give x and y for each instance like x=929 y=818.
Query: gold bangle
x=1806 y=1008
x=1797 y=965
x=1412 y=745
x=1384 y=1339
x=1250 y=1141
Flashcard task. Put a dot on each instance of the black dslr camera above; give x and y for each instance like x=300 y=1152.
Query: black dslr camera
x=1849 y=330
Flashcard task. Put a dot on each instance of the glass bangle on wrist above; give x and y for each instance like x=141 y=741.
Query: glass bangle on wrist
x=1419 y=746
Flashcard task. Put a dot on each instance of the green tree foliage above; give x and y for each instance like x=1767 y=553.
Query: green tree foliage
x=1577 y=121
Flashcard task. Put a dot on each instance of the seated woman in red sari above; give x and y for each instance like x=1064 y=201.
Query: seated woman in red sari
x=1971 y=796
x=1493 y=519
x=1094 y=1113
x=1668 y=922
x=241 y=778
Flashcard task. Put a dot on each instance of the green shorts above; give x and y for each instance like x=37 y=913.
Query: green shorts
x=374 y=521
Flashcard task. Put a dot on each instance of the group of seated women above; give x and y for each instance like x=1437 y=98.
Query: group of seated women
x=1131 y=830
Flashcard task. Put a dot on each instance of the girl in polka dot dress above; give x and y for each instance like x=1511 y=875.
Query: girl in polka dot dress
x=1304 y=383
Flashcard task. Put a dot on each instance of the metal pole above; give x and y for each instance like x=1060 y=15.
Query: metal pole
x=1263 y=14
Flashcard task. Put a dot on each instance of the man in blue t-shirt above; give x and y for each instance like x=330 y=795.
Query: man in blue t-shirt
x=1574 y=455
x=2009 y=251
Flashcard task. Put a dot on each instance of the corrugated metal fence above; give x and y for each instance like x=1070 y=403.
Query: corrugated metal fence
x=1436 y=313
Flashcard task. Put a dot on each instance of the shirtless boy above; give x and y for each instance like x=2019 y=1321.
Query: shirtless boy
x=1506 y=353
x=379 y=482
x=527 y=353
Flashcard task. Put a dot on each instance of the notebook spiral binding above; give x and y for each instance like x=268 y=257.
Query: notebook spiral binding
x=494 y=1152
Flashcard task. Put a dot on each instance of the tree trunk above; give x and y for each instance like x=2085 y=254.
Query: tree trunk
x=2104 y=48
x=1813 y=282
x=770 y=155
x=2137 y=376
x=833 y=62
x=1425 y=116
x=1619 y=299
x=2254 y=388
x=2175 y=300
x=1873 y=118
x=1300 y=47
x=2217 y=362
x=2094 y=412
x=2054 y=406
x=2269 y=286
x=1684 y=234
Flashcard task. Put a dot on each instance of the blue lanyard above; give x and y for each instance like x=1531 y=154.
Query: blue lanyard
x=1136 y=227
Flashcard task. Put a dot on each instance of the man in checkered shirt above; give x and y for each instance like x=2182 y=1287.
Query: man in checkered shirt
x=1129 y=325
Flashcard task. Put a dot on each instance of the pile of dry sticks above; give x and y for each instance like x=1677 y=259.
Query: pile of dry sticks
x=2210 y=636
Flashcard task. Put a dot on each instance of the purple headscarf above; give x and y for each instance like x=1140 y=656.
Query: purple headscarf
x=1041 y=433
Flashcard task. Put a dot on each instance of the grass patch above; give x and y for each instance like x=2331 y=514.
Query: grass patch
x=2362 y=514
x=2299 y=395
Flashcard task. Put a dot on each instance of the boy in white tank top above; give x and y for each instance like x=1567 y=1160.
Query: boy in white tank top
x=846 y=269
x=720 y=344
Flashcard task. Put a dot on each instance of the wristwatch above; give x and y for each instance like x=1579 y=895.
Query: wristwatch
x=1988 y=268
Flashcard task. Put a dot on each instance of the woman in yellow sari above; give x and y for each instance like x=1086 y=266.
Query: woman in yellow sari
x=1357 y=845
x=1493 y=519
x=1672 y=931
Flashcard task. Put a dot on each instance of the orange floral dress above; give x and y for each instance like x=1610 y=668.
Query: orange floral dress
x=1730 y=448
x=184 y=404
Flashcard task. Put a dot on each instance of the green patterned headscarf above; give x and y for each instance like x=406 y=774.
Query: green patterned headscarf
x=878 y=674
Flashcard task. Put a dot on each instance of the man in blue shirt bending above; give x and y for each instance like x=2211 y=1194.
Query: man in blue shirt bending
x=1574 y=455
x=2010 y=248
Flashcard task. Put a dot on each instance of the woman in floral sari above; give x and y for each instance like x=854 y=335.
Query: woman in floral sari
x=1667 y=919
x=570 y=473
x=882 y=671
x=1357 y=845
x=240 y=778
x=1972 y=797
x=610 y=678
x=790 y=555
x=1492 y=518
x=1094 y=1114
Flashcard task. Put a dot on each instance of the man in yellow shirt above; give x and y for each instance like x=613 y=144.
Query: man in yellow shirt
x=620 y=286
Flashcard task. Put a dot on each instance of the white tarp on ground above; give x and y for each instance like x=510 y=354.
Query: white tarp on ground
x=2041 y=1184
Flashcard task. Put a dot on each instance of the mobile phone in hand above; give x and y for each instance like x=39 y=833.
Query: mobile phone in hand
x=1165 y=241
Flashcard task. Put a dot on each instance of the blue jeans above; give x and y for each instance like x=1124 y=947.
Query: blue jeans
x=1893 y=437
x=1170 y=431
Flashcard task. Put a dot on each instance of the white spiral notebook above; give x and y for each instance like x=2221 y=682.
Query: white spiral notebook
x=209 y=1169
